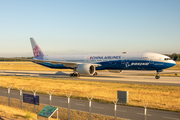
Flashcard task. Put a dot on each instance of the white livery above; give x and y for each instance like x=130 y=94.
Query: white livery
x=115 y=62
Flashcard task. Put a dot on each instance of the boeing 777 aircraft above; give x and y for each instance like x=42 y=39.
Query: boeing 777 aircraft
x=90 y=63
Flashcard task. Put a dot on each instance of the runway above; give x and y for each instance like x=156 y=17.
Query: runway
x=136 y=77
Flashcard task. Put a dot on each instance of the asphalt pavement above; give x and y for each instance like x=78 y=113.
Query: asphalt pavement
x=128 y=76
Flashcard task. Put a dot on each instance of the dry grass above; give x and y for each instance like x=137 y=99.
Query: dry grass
x=159 y=97
x=28 y=66
x=15 y=113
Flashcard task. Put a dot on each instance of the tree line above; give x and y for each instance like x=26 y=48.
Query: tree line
x=15 y=59
x=174 y=56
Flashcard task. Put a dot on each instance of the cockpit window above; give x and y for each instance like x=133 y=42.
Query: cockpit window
x=167 y=58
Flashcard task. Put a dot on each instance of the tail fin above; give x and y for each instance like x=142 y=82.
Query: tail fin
x=38 y=54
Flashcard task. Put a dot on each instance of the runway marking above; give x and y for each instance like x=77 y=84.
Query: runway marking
x=63 y=101
x=98 y=107
x=143 y=114
x=80 y=104
x=171 y=118
x=121 y=110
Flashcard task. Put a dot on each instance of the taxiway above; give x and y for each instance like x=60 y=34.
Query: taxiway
x=137 y=77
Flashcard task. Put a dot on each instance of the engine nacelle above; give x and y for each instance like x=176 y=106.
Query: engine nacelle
x=86 y=69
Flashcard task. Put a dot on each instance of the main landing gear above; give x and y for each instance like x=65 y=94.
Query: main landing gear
x=78 y=75
x=74 y=75
x=157 y=75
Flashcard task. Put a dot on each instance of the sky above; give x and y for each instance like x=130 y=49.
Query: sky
x=89 y=26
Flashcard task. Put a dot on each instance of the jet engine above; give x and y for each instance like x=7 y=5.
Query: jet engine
x=86 y=69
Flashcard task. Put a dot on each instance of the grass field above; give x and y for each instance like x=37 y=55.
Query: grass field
x=14 y=113
x=27 y=66
x=158 y=97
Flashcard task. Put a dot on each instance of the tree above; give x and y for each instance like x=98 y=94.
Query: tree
x=175 y=56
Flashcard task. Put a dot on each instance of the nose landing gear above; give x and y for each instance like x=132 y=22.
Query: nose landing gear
x=157 y=75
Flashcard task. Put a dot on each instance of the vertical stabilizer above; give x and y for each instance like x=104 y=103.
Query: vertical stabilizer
x=38 y=54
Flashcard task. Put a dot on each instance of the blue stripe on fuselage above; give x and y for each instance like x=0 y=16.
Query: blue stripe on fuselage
x=134 y=65
x=121 y=65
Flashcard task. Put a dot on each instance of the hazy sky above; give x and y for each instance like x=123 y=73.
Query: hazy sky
x=89 y=26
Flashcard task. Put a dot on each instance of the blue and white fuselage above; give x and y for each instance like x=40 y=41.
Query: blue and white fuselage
x=89 y=63
x=118 y=61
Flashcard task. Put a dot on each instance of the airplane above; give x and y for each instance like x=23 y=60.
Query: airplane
x=115 y=62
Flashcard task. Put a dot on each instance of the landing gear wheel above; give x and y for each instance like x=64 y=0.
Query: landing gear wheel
x=157 y=77
x=71 y=74
x=74 y=75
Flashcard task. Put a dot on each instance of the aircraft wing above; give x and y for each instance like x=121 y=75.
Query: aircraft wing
x=65 y=63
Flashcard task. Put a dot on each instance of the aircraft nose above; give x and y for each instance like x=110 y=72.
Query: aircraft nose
x=173 y=62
